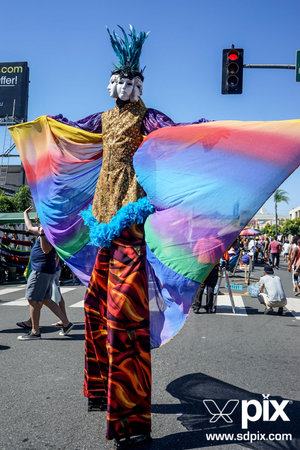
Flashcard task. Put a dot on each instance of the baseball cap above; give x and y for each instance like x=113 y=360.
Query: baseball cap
x=268 y=269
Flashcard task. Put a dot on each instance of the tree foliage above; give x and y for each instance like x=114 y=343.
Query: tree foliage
x=18 y=203
x=279 y=196
x=22 y=198
x=270 y=230
x=291 y=227
x=6 y=203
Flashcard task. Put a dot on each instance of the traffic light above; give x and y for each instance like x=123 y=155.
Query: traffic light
x=232 y=71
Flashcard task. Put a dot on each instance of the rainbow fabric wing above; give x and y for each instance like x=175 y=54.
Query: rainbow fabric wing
x=206 y=181
x=62 y=165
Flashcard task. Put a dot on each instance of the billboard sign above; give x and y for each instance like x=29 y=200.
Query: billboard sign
x=14 y=80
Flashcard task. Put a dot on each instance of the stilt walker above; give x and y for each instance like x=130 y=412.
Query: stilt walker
x=117 y=336
x=164 y=210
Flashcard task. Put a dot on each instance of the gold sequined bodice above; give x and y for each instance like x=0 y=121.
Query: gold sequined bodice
x=117 y=184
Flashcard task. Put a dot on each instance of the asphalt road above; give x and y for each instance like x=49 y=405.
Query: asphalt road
x=217 y=357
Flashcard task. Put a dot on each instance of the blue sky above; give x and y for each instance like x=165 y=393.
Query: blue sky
x=70 y=58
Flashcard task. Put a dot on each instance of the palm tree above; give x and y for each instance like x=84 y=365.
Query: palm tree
x=279 y=196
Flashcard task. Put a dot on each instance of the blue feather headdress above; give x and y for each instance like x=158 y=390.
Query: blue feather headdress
x=128 y=51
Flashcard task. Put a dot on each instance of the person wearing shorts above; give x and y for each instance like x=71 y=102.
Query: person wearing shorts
x=285 y=250
x=39 y=285
x=271 y=291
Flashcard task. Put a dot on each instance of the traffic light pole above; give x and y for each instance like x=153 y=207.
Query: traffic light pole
x=233 y=65
x=269 y=66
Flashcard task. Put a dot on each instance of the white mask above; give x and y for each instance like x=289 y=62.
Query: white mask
x=124 y=88
x=137 y=90
x=112 y=87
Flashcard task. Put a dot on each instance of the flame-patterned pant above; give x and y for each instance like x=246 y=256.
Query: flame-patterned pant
x=117 y=338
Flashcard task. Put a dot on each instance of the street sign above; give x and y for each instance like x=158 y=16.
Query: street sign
x=298 y=66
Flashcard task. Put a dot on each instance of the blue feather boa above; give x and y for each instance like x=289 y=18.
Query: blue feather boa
x=102 y=234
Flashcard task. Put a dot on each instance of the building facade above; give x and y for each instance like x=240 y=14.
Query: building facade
x=294 y=213
x=263 y=218
x=11 y=178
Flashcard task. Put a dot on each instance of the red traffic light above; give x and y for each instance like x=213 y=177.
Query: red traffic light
x=232 y=70
x=233 y=55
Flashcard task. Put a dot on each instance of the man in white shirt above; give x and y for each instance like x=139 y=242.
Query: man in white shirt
x=252 y=252
x=271 y=291
x=285 y=250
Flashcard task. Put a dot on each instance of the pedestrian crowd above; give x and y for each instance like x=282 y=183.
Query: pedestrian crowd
x=43 y=282
x=268 y=250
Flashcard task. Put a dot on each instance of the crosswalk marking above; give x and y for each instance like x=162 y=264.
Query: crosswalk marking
x=224 y=306
x=223 y=302
x=19 y=302
x=293 y=305
x=78 y=304
x=22 y=301
x=65 y=289
x=9 y=290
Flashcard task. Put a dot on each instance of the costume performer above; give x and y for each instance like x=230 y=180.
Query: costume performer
x=118 y=363
x=198 y=179
x=117 y=333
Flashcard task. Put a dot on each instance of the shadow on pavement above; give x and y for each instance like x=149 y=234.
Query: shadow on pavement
x=213 y=417
x=4 y=347
x=47 y=330
x=255 y=311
